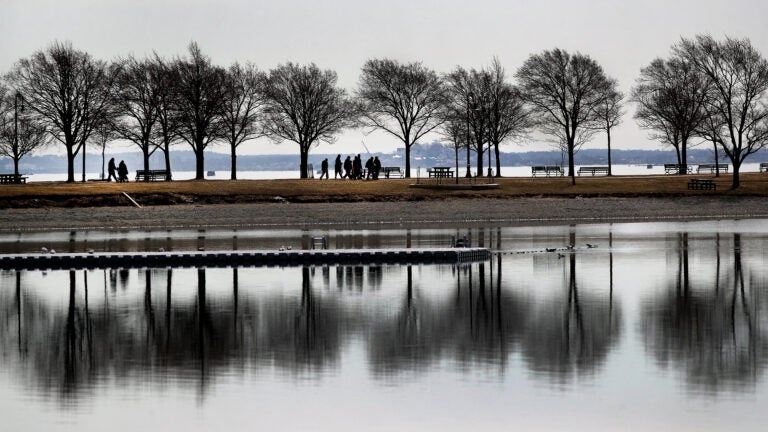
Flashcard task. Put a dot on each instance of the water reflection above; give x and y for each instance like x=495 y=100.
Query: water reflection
x=696 y=299
x=710 y=326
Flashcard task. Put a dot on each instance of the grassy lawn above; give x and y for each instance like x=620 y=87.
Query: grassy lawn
x=43 y=194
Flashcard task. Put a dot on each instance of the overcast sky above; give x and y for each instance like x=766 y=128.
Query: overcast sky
x=622 y=36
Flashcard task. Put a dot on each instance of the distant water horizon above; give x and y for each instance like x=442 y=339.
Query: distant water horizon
x=506 y=171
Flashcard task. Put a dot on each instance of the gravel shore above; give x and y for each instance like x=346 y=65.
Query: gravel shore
x=361 y=215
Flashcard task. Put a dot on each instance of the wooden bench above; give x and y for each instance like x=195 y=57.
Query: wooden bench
x=547 y=170
x=675 y=169
x=388 y=172
x=710 y=168
x=763 y=166
x=440 y=172
x=12 y=179
x=702 y=184
x=152 y=175
x=593 y=171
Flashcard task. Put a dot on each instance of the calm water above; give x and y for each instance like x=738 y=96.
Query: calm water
x=659 y=327
x=506 y=171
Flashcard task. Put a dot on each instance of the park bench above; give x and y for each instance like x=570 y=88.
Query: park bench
x=388 y=172
x=763 y=166
x=710 y=168
x=547 y=170
x=440 y=172
x=702 y=184
x=152 y=175
x=675 y=169
x=593 y=171
x=12 y=179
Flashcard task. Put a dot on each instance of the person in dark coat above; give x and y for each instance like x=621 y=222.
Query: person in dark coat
x=122 y=172
x=337 y=167
x=357 y=167
x=111 y=170
x=376 y=167
x=348 y=168
x=369 y=168
x=324 y=169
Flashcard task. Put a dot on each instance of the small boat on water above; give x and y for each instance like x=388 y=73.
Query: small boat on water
x=211 y=173
x=649 y=166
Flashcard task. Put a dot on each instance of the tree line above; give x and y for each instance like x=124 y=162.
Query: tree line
x=706 y=90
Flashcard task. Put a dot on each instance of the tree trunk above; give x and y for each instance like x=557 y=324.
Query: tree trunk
x=683 y=156
x=736 y=168
x=610 y=168
x=479 y=159
x=407 y=161
x=145 y=154
x=304 y=159
x=83 y=148
x=456 y=154
x=233 y=164
x=571 y=169
x=103 y=149
x=717 y=160
x=199 y=162
x=16 y=166
x=498 y=161
x=70 y=164
x=167 y=154
x=469 y=170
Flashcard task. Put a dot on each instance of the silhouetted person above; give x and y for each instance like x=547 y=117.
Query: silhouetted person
x=376 y=167
x=357 y=167
x=122 y=172
x=369 y=168
x=338 y=167
x=111 y=170
x=347 y=167
x=324 y=169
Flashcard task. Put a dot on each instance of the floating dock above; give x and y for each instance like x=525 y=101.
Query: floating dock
x=254 y=258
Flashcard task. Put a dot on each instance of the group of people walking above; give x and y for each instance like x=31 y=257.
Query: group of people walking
x=353 y=168
x=121 y=170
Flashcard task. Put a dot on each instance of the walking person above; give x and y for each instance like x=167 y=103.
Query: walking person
x=122 y=172
x=347 y=168
x=324 y=169
x=111 y=170
x=369 y=168
x=357 y=167
x=337 y=167
x=376 y=167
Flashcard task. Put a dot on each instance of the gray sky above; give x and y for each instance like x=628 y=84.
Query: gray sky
x=622 y=36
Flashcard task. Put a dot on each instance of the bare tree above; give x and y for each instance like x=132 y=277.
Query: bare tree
x=242 y=111
x=401 y=99
x=738 y=93
x=671 y=97
x=200 y=98
x=508 y=117
x=469 y=91
x=137 y=98
x=304 y=105
x=68 y=91
x=168 y=122
x=564 y=92
x=453 y=128
x=610 y=112
x=20 y=137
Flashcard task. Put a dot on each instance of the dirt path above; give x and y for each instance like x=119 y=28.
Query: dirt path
x=448 y=213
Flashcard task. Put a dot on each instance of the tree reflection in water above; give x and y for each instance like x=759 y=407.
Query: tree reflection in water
x=711 y=330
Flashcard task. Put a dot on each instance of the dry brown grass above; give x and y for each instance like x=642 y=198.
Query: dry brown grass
x=43 y=194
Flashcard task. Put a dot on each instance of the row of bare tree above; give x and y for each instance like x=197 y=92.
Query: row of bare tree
x=715 y=90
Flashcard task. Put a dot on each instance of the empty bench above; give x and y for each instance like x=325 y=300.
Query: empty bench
x=675 y=169
x=152 y=175
x=12 y=179
x=593 y=171
x=711 y=168
x=702 y=184
x=547 y=170
x=388 y=172
x=440 y=172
